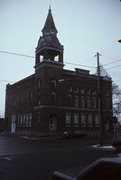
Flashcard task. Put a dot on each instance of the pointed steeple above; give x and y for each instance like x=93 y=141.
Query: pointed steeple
x=49 y=27
x=49 y=46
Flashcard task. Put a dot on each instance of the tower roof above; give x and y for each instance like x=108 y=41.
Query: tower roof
x=49 y=26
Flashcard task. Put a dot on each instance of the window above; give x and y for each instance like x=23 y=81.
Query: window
x=27 y=120
x=39 y=83
x=39 y=99
x=107 y=93
x=76 y=119
x=107 y=125
x=53 y=97
x=13 y=118
x=30 y=98
x=93 y=102
x=94 y=92
x=24 y=120
x=21 y=120
x=53 y=82
x=69 y=100
x=89 y=120
x=70 y=89
x=68 y=119
x=53 y=123
x=14 y=103
x=107 y=104
x=30 y=120
x=21 y=100
x=38 y=117
x=76 y=101
x=18 y=122
x=82 y=90
x=13 y=124
x=88 y=102
x=96 y=120
x=82 y=102
x=83 y=120
x=88 y=91
x=76 y=90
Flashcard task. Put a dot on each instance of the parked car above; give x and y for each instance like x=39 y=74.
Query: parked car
x=67 y=134
x=75 y=134
x=79 y=134
x=101 y=169
x=117 y=145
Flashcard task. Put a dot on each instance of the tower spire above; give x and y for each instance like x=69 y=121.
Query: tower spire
x=48 y=45
x=49 y=26
x=50 y=6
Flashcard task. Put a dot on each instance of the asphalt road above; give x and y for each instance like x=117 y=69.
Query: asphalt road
x=22 y=159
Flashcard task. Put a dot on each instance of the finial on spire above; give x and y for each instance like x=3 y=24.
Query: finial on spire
x=50 y=6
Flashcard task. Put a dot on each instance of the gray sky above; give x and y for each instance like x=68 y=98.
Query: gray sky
x=85 y=27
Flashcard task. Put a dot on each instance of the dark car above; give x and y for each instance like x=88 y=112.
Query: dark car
x=101 y=169
x=67 y=134
x=79 y=134
x=117 y=145
x=75 y=134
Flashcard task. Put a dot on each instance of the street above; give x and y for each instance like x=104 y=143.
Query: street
x=37 y=160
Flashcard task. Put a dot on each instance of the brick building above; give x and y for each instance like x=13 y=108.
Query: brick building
x=54 y=100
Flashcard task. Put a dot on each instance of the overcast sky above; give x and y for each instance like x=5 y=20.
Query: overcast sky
x=85 y=27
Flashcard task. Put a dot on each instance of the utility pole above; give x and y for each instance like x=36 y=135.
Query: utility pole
x=99 y=101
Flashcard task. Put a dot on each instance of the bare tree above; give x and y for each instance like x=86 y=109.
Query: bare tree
x=116 y=92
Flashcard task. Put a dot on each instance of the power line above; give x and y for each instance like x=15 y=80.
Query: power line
x=12 y=53
x=17 y=54
x=5 y=52
x=112 y=62
x=79 y=65
x=113 y=67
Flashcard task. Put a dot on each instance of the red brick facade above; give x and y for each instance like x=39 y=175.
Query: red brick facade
x=54 y=100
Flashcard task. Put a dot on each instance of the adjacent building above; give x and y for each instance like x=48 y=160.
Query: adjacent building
x=54 y=99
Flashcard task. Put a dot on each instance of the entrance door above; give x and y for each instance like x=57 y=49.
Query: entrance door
x=13 y=124
x=53 y=123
